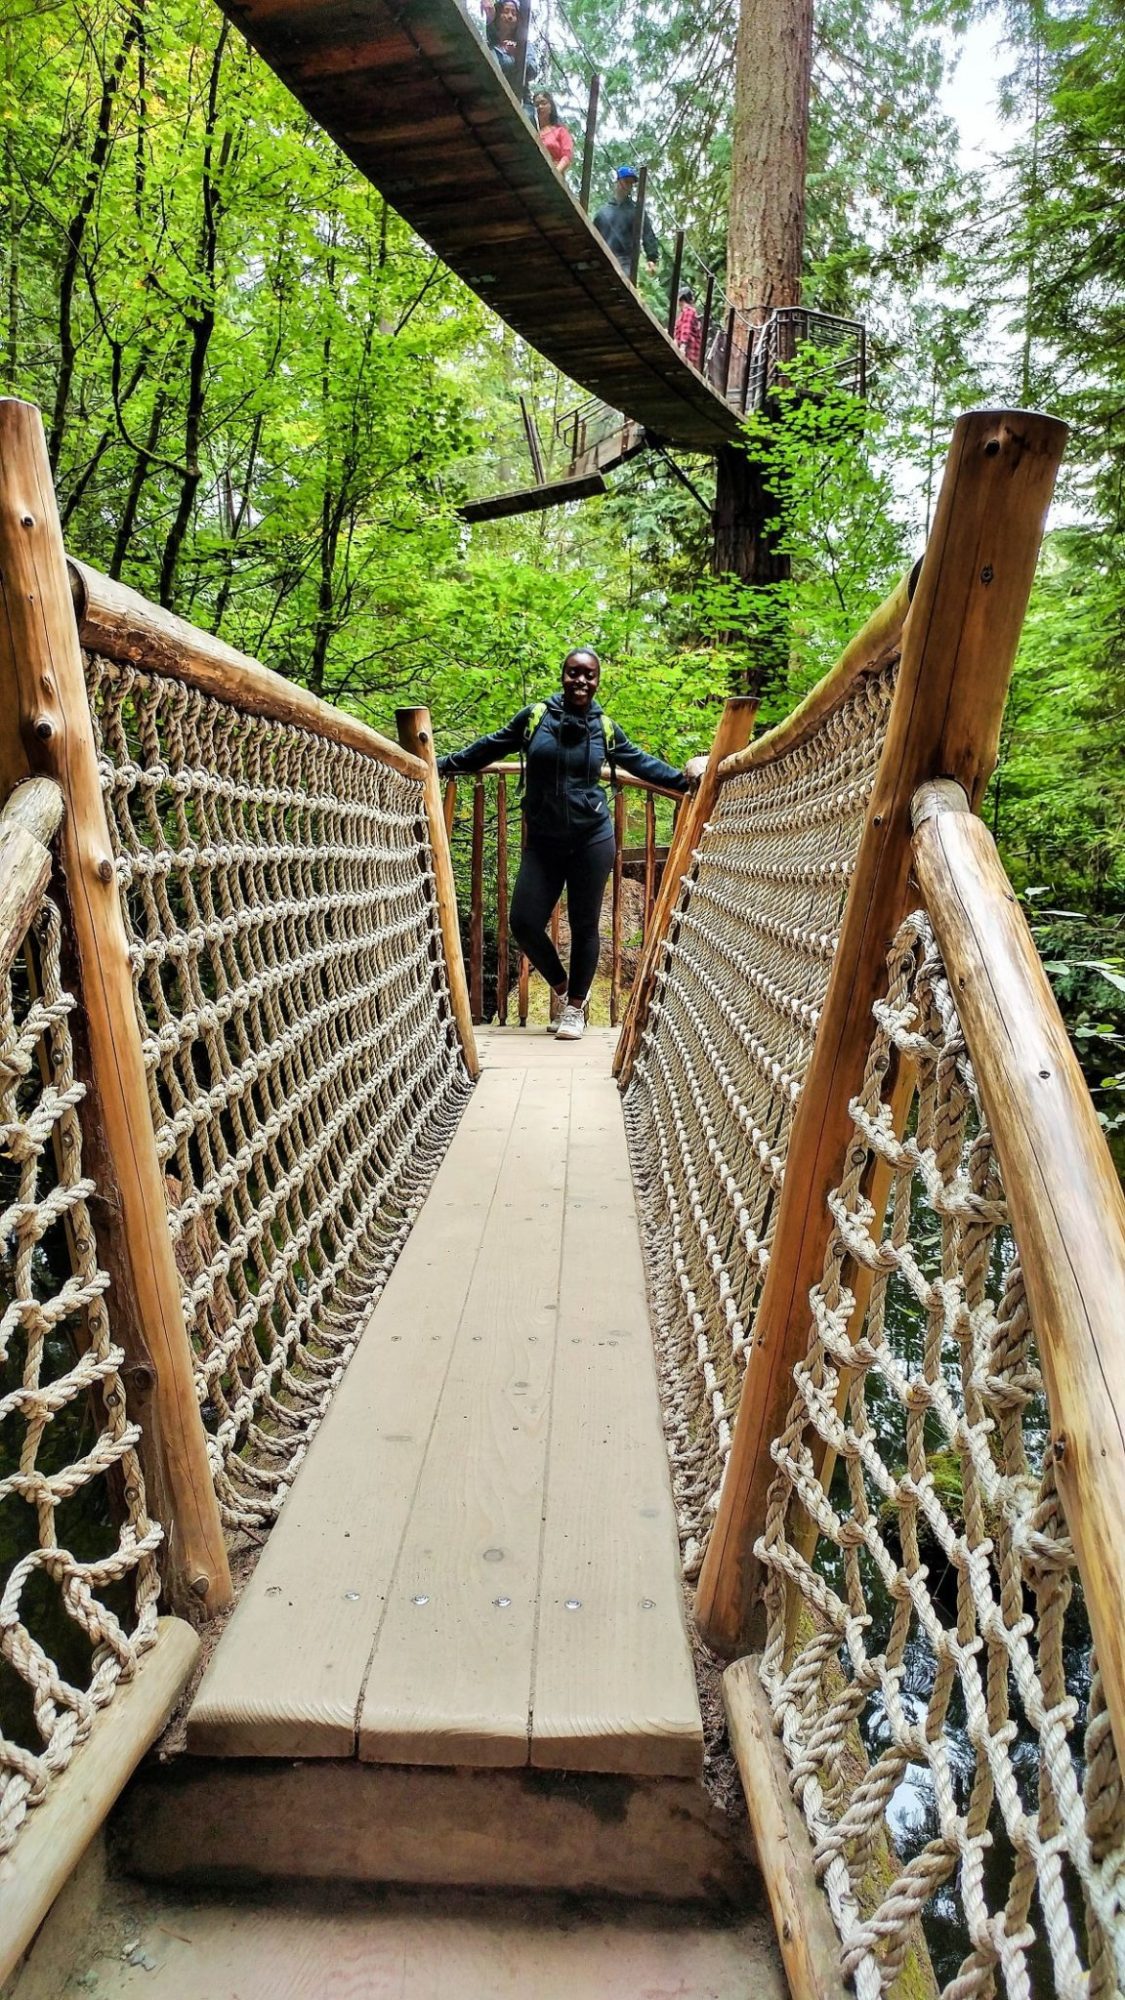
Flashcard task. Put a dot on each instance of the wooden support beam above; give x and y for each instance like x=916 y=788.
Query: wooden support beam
x=589 y=140
x=806 y=1935
x=735 y=725
x=476 y=906
x=48 y=732
x=957 y=651
x=1064 y=1197
x=58 y=1832
x=415 y=733
x=650 y=865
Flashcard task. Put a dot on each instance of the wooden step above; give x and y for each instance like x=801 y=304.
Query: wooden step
x=478 y=1562
x=203 y=1821
x=121 y=1941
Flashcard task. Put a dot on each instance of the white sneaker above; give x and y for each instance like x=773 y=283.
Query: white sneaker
x=558 y=1008
x=572 y=1025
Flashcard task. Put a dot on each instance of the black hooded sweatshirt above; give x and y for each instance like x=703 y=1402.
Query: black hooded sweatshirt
x=565 y=800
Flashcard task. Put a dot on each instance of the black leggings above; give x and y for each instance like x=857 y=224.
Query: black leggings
x=544 y=873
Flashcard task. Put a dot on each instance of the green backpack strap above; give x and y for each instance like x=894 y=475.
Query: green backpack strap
x=535 y=716
x=610 y=734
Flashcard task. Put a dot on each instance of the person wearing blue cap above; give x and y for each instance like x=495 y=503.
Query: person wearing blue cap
x=616 y=221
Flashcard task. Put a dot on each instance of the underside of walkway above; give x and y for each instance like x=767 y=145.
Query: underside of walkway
x=413 y=97
x=478 y=1563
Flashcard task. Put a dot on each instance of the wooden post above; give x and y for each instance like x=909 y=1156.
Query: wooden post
x=502 y=901
x=650 y=864
x=48 y=732
x=957 y=651
x=615 y=912
x=523 y=978
x=729 y=351
x=589 y=141
x=674 y=285
x=534 y=447
x=1064 y=1198
x=735 y=724
x=28 y=824
x=449 y=807
x=638 y=223
x=476 y=906
x=415 y=733
x=705 y=329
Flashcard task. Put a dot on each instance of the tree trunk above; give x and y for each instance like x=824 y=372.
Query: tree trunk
x=765 y=247
x=772 y=76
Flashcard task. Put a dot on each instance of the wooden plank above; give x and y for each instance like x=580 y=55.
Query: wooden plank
x=56 y=1834
x=1064 y=1198
x=502 y=900
x=336 y=1822
x=50 y=733
x=614 y=1680
x=450 y=1677
x=312 y=1605
x=533 y=499
x=809 y=1942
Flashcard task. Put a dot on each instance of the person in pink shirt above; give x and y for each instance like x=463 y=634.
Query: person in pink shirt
x=688 y=335
x=554 y=136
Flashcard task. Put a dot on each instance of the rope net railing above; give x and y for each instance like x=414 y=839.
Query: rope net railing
x=303 y=1064
x=78 y=1575
x=721 y=1062
x=928 y=1658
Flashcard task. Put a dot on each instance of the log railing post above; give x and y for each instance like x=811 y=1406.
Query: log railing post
x=650 y=866
x=449 y=807
x=415 y=733
x=733 y=733
x=619 y=830
x=47 y=731
x=957 y=651
x=502 y=901
x=476 y=906
x=590 y=140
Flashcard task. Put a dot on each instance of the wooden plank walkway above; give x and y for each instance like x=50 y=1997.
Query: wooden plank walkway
x=478 y=1562
x=412 y=95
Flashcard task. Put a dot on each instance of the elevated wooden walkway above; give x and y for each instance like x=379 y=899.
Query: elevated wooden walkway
x=413 y=97
x=478 y=1562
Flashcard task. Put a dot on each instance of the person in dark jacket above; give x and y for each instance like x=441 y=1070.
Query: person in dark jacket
x=616 y=221
x=570 y=843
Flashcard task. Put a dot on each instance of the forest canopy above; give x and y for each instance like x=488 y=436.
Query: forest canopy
x=264 y=396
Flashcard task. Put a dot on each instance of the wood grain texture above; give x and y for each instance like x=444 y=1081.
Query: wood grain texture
x=450 y=1675
x=312 y=1606
x=806 y=1935
x=50 y=734
x=28 y=824
x=121 y=624
x=587 y=1834
x=614 y=1680
x=56 y=1833
x=958 y=645
x=1064 y=1198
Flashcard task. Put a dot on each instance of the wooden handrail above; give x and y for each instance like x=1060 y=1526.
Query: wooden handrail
x=735 y=724
x=509 y=768
x=958 y=645
x=122 y=625
x=873 y=648
x=28 y=824
x=417 y=736
x=1064 y=1198
x=48 y=732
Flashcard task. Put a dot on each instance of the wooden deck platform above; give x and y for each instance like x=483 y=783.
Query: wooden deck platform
x=411 y=94
x=478 y=1562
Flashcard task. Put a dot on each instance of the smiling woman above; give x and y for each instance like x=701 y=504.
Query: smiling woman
x=570 y=840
